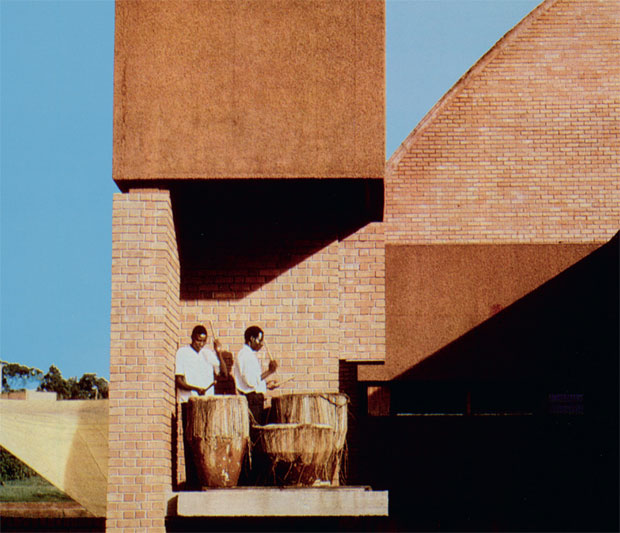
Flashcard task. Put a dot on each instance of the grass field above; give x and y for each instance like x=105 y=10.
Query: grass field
x=32 y=489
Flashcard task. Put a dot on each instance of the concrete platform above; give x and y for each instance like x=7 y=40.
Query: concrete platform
x=280 y=501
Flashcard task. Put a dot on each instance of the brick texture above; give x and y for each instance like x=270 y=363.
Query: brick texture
x=362 y=295
x=524 y=148
x=328 y=307
x=144 y=331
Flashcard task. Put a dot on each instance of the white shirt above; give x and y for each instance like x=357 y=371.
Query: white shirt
x=247 y=371
x=198 y=370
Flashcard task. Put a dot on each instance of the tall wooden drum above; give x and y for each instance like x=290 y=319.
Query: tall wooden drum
x=317 y=408
x=218 y=430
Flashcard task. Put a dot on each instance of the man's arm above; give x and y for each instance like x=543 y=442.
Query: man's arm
x=180 y=382
x=217 y=346
x=273 y=366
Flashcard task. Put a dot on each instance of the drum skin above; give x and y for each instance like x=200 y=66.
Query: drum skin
x=218 y=432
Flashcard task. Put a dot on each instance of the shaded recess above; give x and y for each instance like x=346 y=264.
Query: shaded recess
x=561 y=337
x=514 y=426
x=250 y=231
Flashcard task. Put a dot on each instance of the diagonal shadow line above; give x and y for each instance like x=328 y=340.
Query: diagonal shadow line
x=564 y=332
x=234 y=236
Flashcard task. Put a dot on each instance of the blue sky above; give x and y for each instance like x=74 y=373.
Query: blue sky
x=56 y=154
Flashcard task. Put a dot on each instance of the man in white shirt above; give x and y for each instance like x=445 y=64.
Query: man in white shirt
x=195 y=370
x=197 y=365
x=249 y=377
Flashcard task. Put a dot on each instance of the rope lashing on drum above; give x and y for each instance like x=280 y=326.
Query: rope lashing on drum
x=336 y=403
x=348 y=402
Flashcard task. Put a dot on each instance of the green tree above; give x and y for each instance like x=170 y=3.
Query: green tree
x=88 y=387
x=16 y=376
x=54 y=382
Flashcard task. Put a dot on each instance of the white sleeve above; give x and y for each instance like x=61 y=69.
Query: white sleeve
x=249 y=372
x=212 y=359
x=180 y=363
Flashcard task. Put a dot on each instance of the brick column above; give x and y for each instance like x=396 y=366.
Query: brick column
x=145 y=319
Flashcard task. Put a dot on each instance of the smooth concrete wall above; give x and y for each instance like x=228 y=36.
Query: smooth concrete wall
x=436 y=294
x=249 y=88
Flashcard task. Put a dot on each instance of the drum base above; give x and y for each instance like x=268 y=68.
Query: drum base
x=297 y=473
x=221 y=466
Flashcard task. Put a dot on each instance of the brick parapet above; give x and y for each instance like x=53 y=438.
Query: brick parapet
x=144 y=329
x=524 y=148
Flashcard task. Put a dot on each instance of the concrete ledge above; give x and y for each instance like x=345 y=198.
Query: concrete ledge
x=281 y=501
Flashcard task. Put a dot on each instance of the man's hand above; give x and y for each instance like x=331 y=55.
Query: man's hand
x=217 y=345
x=272 y=384
x=272 y=368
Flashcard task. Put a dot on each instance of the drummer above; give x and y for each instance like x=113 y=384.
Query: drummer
x=248 y=374
x=195 y=370
x=196 y=366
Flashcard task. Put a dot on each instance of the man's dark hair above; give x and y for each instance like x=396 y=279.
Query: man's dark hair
x=252 y=331
x=198 y=330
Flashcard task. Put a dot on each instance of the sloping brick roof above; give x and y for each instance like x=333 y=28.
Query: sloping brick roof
x=524 y=147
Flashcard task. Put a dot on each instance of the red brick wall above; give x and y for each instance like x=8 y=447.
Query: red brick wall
x=362 y=295
x=524 y=148
x=296 y=310
x=329 y=306
x=144 y=332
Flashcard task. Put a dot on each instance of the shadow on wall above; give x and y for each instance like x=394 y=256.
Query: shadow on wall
x=564 y=333
x=244 y=233
x=513 y=426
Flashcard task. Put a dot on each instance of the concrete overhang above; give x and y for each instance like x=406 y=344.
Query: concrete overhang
x=248 y=89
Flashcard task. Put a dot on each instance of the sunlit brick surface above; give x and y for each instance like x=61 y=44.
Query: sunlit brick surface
x=145 y=286
x=329 y=306
x=525 y=147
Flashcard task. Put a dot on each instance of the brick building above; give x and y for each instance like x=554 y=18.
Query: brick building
x=511 y=178
x=252 y=171
x=249 y=146
x=499 y=393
